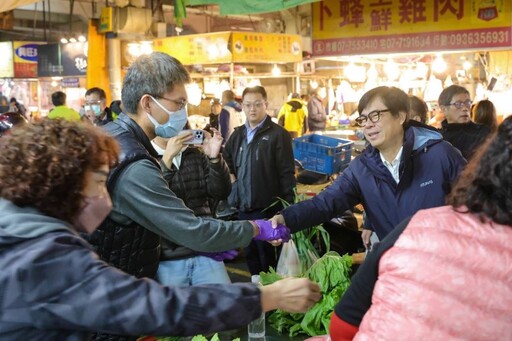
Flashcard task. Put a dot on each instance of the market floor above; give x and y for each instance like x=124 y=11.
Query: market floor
x=237 y=269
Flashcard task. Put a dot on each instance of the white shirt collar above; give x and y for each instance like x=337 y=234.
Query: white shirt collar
x=394 y=165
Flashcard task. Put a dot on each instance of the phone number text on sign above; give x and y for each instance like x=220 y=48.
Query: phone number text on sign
x=431 y=41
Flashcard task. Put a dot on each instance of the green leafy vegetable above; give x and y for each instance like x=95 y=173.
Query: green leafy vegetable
x=332 y=273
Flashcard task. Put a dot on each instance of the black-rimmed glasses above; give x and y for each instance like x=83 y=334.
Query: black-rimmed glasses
x=461 y=104
x=373 y=116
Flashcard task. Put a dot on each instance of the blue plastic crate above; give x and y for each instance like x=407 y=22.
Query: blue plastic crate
x=322 y=154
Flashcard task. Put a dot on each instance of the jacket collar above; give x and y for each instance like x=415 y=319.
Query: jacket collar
x=125 y=122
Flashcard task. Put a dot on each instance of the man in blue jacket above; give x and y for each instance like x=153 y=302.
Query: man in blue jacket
x=406 y=167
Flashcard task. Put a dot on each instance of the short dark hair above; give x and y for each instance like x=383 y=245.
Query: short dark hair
x=448 y=93
x=58 y=98
x=255 y=90
x=42 y=165
x=393 y=98
x=153 y=74
x=295 y=95
x=419 y=107
x=485 y=186
x=99 y=91
x=229 y=95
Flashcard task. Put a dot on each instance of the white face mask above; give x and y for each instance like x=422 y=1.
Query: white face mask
x=177 y=120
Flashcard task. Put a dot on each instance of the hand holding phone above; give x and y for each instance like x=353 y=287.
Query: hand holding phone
x=197 y=137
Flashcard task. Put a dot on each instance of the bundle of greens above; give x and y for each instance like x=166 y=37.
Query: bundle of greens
x=305 y=240
x=332 y=273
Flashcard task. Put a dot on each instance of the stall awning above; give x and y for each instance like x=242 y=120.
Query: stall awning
x=7 y=5
x=247 y=6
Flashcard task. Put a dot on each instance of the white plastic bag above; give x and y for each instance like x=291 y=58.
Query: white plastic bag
x=289 y=264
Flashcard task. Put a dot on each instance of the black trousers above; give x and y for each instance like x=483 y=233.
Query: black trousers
x=260 y=255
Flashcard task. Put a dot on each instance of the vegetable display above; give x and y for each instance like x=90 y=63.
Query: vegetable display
x=332 y=273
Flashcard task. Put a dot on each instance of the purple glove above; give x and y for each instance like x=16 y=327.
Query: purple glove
x=220 y=256
x=267 y=233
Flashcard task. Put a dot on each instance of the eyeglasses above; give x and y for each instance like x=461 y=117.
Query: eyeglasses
x=92 y=102
x=461 y=104
x=373 y=116
x=248 y=106
x=180 y=104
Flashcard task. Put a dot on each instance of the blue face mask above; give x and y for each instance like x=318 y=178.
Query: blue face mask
x=96 y=108
x=175 y=124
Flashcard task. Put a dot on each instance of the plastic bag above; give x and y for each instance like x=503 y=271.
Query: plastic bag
x=289 y=263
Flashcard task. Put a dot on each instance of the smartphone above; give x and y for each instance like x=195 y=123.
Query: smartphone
x=198 y=137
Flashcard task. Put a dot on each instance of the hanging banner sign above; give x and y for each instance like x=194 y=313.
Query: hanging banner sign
x=62 y=59
x=74 y=59
x=254 y=47
x=209 y=48
x=6 y=61
x=48 y=61
x=25 y=59
x=347 y=27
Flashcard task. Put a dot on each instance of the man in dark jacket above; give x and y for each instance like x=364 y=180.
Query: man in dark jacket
x=200 y=182
x=144 y=208
x=457 y=128
x=95 y=108
x=260 y=157
x=406 y=167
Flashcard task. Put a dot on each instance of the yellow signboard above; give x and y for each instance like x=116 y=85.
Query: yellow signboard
x=343 y=27
x=106 y=20
x=210 y=48
x=25 y=59
x=254 y=47
x=227 y=47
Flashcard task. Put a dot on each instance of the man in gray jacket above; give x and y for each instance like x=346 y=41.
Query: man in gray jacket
x=144 y=208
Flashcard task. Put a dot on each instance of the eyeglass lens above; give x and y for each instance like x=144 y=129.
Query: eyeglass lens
x=373 y=116
x=256 y=105
x=461 y=104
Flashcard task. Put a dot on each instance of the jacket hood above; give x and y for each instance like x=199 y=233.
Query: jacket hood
x=295 y=104
x=21 y=223
x=423 y=135
x=235 y=105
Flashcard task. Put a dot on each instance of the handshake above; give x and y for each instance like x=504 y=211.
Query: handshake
x=268 y=233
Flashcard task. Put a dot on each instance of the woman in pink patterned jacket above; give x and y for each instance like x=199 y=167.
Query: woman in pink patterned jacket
x=446 y=273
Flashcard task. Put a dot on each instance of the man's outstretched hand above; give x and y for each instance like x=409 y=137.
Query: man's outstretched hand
x=269 y=233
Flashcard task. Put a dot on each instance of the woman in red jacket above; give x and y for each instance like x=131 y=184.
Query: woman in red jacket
x=446 y=273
